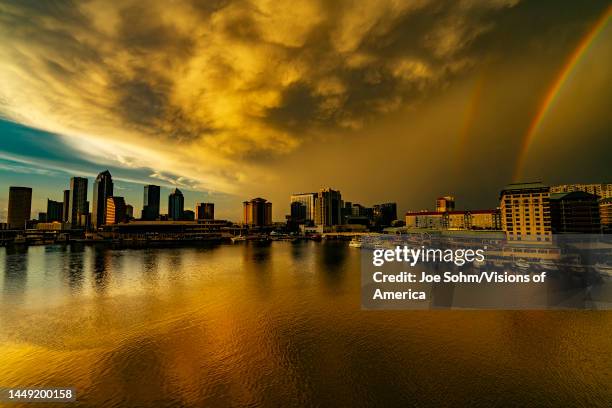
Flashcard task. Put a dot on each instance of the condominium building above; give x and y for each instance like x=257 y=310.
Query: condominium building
x=603 y=190
x=605 y=214
x=445 y=203
x=525 y=212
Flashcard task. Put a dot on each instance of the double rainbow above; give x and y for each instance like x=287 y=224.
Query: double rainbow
x=553 y=91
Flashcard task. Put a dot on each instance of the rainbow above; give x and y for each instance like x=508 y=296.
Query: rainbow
x=553 y=90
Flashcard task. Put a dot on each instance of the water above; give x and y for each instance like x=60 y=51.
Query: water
x=274 y=325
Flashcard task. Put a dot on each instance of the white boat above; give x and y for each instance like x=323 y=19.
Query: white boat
x=547 y=265
x=521 y=264
x=238 y=238
x=355 y=243
x=603 y=269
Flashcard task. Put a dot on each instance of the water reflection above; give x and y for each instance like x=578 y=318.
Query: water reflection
x=333 y=258
x=101 y=264
x=15 y=271
x=73 y=265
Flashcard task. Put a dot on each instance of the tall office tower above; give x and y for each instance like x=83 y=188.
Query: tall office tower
x=444 y=204
x=66 y=206
x=150 y=209
x=115 y=210
x=55 y=211
x=603 y=190
x=328 y=207
x=129 y=211
x=19 y=207
x=205 y=211
x=525 y=212
x=78 y=206
x=103 y=189
x=575 y=212
x=257 y=212
x=176 y=205
x=308 y=200
x=385 y=214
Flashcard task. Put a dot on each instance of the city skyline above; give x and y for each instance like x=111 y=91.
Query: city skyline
x=231 y=101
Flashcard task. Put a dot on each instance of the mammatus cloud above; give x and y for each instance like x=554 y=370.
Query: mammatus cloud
x=207 y=90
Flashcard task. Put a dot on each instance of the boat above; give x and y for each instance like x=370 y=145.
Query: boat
x=547 y=265
x=355 y=243
x=238 y=238
x=478 y=263
x=603 y=269
x=521 y=264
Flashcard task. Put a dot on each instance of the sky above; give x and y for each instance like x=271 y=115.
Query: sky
x=230 y=100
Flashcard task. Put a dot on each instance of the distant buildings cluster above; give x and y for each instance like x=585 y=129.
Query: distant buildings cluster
x=327 y=211
x=106 y=209
x=528 y=212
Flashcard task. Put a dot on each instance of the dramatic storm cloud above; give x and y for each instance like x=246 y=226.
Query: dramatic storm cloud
x=216 y=95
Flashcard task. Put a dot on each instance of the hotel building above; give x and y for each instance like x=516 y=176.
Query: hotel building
x=328 y=207
x=525 y=212
x=307 y=200
x=603 y=190
x=257 y=212
x=115 y=210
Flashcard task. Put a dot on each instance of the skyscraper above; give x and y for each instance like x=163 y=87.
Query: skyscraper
x=308 y=201
x=176 y=205
x=103 y=189
x=205 y=211
x=257 y=212
x=575 y=212
x=54 y=211
x=328 y=207
x=115 y=210
x=150 y=209
x=78 y=206
x=19 y=207
x=66 y=206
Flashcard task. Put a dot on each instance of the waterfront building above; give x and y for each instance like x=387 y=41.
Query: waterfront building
x=308 y=200
x=257 y=212
x=328 y=207
x=19 y=207
x=115 y=210
x=603 y=190
x=150 y=209
x=55 y=211
x=42 y=217
x=575 y=212
x=525 y=212
x=66 y=206
x=205 y=211
x=485 y=219
x=384 y=214
x=445 y=203
x=426 y=219
x=188 y=215
x=176 y=205
x=456 y=220
x=102 y=190
x=605 y=214
x=78 y=204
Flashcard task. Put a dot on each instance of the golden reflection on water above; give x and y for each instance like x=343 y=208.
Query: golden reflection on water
x=273 y=325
